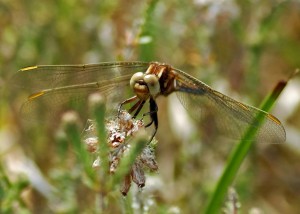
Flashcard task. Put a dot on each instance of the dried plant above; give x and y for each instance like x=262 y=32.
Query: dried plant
x=120 y=131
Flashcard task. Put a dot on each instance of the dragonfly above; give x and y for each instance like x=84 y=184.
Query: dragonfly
x=55 y=85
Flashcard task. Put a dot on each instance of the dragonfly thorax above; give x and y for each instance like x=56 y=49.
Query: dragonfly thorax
x=145 y=85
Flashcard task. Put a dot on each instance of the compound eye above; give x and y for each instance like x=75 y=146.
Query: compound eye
x=152 y=83
x=135 y=78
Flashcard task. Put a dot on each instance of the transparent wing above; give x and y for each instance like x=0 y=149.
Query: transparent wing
x=227 y=115
x=54 y=89
x=37 y=78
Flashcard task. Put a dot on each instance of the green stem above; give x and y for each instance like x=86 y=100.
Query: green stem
x=239 y=154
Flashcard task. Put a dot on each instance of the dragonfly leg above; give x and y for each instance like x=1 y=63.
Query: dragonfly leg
x=153 y=116
x=140 y=106
x=136 y=107
x=129 y=100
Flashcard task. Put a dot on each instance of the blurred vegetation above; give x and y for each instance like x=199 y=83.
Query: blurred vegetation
x=242 y=48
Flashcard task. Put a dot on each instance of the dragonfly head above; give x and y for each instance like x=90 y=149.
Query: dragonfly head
x=152 y=82
x=145 y=85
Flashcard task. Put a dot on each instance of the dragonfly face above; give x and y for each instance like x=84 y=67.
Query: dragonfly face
x=55 y=85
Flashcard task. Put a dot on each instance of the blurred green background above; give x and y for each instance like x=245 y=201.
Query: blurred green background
x=241 y=48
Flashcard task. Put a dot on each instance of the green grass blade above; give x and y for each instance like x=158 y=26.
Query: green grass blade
x=239 y=153
x=148 y=32
x=74 y=135
x=138 y=144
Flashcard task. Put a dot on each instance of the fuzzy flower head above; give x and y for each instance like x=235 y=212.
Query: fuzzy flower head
x=119 y=131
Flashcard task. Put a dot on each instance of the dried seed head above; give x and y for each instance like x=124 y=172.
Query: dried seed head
x=119 y=130
x=96 y=99
x=137 y=174
x=96 y=163
x=91 y=144
x=70 y=117
x=147 y=157
x=126 y=184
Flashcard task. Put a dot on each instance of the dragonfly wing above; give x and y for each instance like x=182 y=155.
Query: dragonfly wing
x=37 y=78
x=227 y=115
x=57 y=88
x=51 y=104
